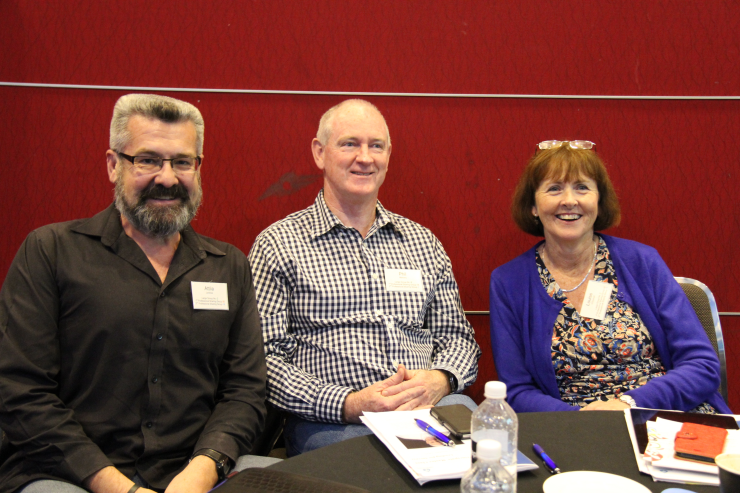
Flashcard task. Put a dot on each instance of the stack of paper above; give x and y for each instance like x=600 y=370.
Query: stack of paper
x=659 y=461
x=419 y=453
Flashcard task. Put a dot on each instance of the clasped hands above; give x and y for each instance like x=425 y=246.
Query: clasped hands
x=199 y=476
x=404 y=391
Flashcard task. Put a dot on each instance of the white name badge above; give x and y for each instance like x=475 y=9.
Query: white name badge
x=210 y=295
x=404 y=280
x=596 y=300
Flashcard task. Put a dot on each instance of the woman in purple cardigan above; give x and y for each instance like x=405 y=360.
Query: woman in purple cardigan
x=586 y=321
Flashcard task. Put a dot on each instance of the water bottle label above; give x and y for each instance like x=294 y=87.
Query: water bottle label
x=501 y=436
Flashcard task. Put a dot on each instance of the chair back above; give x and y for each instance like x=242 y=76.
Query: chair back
x=702 y=300
x=274 y=422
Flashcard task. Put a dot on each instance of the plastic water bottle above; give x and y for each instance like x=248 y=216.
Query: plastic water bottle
x=496 y=420
x=487 y=474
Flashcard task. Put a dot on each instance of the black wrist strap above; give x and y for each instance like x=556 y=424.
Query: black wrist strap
x=223 y=462
x=451 y=379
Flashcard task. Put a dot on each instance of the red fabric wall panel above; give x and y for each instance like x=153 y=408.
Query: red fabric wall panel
x=476 y=46
x=454 y=165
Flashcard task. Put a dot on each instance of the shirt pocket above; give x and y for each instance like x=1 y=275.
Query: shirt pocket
x=209 y=330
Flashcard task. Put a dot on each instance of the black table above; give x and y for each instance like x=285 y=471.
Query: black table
x=593 y=441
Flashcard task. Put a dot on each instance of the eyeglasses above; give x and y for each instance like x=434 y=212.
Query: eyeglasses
x=573 y=144
x=152 y=164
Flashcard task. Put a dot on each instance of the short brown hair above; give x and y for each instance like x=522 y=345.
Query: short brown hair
x=567 y=164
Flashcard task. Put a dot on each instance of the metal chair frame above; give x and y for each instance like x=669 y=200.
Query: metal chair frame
x=719 y=347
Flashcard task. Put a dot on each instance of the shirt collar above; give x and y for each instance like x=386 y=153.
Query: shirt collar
x=106 y=225
x=324 y=219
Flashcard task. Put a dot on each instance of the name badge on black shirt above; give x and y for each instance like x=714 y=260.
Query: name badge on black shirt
x=210 y=295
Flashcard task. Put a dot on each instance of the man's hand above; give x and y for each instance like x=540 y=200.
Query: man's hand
x=434 y=382
x=199 y=476
x=610 y=405
x=373 y=399
x=110 y=480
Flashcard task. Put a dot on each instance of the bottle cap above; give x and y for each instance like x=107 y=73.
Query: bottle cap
x=488 y=450
x=495 y=390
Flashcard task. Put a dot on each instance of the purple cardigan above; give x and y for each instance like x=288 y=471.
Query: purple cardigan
x=523 y=316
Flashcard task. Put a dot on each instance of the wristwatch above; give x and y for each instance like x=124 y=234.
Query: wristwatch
x=451 y=379
x=223 y=463
x=628 y=400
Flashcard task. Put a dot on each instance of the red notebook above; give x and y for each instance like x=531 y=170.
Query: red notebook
x=699 y=442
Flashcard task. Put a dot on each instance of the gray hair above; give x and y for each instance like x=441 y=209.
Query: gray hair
x=163 y=108
x=327 y=119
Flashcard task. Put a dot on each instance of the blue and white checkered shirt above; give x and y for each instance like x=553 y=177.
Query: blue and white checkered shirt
x=331 y=327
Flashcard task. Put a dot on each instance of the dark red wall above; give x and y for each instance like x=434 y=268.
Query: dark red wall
x=455 y=160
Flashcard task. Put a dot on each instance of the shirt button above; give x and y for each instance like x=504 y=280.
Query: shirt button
x=375 y=276
x=379 y=312
x=159 y=337
x=161 y=295
x=155 y=380
x=149 y=424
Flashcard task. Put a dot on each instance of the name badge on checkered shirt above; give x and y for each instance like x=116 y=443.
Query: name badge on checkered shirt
x=404 y=280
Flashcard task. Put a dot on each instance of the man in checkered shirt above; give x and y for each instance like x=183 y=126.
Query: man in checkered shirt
x=360 y=310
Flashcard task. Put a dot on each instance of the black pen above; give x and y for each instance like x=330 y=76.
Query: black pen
x=554 y=469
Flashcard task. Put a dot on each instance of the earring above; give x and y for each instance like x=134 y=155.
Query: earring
x=536 y=219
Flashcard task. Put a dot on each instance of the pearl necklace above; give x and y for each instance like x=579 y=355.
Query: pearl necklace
x=587 y=272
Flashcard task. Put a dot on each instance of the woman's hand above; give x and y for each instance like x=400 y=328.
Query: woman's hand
x=610 y=405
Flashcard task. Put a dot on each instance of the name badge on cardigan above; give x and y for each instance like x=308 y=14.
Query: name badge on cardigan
x=596 y=300
x=210 y=295
x=404 y=280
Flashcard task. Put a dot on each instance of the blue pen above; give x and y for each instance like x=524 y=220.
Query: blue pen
x=437 y=434
x=554 y=469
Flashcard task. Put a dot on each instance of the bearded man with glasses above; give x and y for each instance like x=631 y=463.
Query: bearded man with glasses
x=131 y=353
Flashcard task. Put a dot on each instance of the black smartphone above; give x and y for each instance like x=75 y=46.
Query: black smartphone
x=455 y=418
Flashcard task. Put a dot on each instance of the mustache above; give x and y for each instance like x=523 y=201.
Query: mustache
x=156 y=191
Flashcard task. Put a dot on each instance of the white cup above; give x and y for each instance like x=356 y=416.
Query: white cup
x=729 y=472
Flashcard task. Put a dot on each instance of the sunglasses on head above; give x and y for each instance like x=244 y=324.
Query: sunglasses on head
x=573 y=144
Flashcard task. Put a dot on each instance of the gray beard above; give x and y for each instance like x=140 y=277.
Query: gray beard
x=157 y=221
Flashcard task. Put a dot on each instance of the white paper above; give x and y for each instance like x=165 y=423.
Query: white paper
x=641 y=465
x=659 y=460
x=210 y=295
x=682 y=477
x=596 y=300
x=426 y=463
x=404 y=280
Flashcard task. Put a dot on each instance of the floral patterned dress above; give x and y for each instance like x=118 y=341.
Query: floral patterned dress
x=600 y=359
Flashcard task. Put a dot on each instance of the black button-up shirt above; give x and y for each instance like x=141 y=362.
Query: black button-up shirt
x=103 y=364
